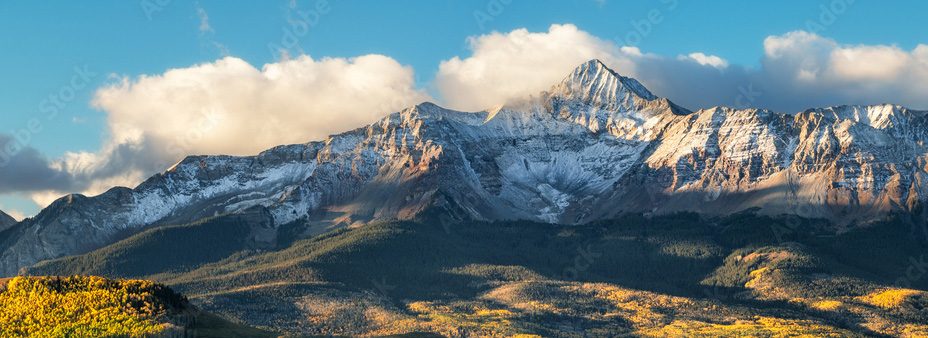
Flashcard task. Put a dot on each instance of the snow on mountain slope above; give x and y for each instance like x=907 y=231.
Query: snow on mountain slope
x=596 y=145
x=595 y=96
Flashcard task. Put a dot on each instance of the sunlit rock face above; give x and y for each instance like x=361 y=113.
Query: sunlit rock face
x=595 y=145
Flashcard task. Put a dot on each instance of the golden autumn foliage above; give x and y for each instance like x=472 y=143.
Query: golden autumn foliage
x=761 y=327
x=559 y=309
x=83 y=307
x=756 y=276
x=828 y=305
x=676 y=276
x=889 y=298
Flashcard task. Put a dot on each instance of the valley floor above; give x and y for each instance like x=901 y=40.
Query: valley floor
x=678 y=275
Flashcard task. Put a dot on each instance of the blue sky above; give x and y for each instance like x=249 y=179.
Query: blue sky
x=43 y=42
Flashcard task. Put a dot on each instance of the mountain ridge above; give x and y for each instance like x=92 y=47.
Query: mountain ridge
x=594 y=146
x=6 y=221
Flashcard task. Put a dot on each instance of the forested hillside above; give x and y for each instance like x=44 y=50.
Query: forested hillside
x=645 y=276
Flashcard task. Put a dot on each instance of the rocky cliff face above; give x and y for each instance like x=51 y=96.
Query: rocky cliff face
x=596 y=145
x=6 y=221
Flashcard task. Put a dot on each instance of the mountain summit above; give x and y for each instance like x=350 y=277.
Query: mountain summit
x=594 y=146
x=593 y=81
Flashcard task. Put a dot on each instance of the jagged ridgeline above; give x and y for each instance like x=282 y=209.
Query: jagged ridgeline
x=6 y=221
x=594 y=207
x=594 y=146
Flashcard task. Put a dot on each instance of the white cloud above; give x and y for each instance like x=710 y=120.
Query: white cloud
x=13 y=213
x=204 y=21
x=231 y=107
x=805 y=66
x=706 y=60
x=241 y=110
x=799 y=70
x=843 y=64
x=519 y=63
x=506 y=66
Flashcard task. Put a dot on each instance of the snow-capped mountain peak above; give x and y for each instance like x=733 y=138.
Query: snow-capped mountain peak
x=595 y=83
x=596 y=145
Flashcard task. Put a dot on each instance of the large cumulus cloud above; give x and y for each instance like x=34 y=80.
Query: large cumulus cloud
x=506 y=66
x=519 y=63
x=232 y=107
x=223 y=107
x=804 y=70
x=798 y=70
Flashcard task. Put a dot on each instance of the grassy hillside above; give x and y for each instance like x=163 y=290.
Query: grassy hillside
x=171 y=248
x=754 y=273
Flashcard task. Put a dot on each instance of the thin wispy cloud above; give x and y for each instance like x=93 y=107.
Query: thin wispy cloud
x=206 y=33
x=205 y=28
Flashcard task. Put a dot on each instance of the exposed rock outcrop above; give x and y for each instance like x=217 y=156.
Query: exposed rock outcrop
x=596 y=145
